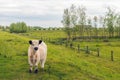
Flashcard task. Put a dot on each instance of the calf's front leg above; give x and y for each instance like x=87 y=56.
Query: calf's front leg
x=37 y=59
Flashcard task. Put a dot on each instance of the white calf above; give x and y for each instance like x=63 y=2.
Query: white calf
x=37 y=52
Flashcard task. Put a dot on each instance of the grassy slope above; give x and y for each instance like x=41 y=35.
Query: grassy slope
x=62 y=63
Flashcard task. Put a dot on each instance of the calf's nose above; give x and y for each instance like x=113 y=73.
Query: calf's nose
x=36 y=48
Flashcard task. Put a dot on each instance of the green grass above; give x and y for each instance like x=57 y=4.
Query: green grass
x=105 y=48
x=52 y=34
x=62 y=63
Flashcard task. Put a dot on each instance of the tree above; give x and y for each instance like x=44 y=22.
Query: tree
x=101 y=22
x=81 y=19
x=110 y=21
x=66 y=23
x=12 y=27
x=19 y=27
x=89 y=32
x=73 y=19
x=23 y=27
x=117 y=28
x=73 y=15
x=95 y=19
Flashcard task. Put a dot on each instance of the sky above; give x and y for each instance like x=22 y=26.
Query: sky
x=48 y=13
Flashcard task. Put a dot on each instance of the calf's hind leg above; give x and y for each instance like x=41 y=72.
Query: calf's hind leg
x=36 y=67
x=31 y=67
x=37 y=59
x=42 y=62
x=30 y=60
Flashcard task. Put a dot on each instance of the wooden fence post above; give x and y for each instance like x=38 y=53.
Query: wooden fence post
x=78 y=48
x=66 y=44
x=71 y=45
x=87 y=51
x=112 y=56
x=98 y=51
x=49 y=39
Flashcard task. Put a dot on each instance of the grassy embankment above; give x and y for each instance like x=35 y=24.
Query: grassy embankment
x=62 y=62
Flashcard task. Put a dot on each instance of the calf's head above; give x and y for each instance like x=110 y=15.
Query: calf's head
x=35 y=44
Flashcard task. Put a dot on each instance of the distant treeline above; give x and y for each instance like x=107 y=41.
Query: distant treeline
x=21 y=27
x=78 y=24
x=50 y=28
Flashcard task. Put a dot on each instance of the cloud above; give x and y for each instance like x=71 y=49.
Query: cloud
x=48 y=12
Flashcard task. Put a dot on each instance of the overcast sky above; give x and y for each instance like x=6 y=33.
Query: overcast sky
x=48 y=13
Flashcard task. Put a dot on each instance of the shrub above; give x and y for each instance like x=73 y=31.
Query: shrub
x=19 y=27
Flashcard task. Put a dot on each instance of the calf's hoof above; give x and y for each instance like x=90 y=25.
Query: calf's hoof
x=30 y=71
x=36 y=71
x=42 y=69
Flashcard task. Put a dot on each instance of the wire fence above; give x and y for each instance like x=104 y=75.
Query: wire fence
x=79 y=48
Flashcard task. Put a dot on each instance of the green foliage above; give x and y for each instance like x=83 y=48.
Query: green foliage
x=74 y=16
x=66 y=23
x=117 y=26
x=106 y=26
x=110 y=21
x=19 y=27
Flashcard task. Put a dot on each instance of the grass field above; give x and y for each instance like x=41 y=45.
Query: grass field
x=62 y=63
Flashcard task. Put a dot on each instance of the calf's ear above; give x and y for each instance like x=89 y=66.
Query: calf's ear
x=40 y=41
x=30 y=42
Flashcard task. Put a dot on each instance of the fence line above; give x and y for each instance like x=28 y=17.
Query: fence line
x=87 y=50
x=79 y=48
